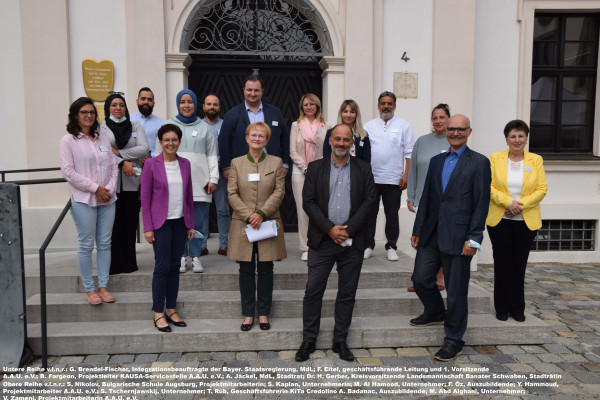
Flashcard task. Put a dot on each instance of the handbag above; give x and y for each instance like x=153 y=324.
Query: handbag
x=267 y=229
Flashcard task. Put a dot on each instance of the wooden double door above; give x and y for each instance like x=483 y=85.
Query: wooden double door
x=285 y=83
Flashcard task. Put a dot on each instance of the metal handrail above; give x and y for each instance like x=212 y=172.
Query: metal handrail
x=27 y=182
x=42 y=253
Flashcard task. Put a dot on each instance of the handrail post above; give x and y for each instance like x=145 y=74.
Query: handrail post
x=42 y=253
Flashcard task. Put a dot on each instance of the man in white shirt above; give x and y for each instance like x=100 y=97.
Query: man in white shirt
x=212 y=109
x=392 y=141
x=150 y=122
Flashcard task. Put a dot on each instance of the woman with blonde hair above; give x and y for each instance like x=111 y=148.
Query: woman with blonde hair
x=349 y=114
x=306 y=144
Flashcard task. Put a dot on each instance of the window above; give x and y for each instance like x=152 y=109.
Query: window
x=565 y=235
x=563 y=84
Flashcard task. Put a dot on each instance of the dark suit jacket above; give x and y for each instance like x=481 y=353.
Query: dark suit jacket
x=232 y=136
x=459 y=213
x=315 y=201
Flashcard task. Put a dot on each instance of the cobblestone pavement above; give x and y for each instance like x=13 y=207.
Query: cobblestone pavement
x=565 y=296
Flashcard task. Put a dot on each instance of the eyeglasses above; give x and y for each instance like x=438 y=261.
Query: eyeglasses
x=119 y=93
x=459 y=130
x=309 y=104
x=86 y=113
x=175 y=140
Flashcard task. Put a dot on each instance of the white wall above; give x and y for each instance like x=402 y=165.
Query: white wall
x=408 y=27
x=101 y=35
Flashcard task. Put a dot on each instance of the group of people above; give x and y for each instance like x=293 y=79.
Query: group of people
x=339 y=176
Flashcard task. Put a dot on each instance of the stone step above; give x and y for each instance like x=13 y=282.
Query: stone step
x=72 y=307
x=220 y=274
x=133 y=337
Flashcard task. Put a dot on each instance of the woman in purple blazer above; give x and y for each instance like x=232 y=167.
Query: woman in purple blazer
x=168 y=214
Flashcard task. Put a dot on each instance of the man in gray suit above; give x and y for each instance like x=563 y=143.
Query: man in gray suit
x=448 y=230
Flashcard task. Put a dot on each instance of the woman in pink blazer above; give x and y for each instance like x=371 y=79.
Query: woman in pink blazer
x=168 y=214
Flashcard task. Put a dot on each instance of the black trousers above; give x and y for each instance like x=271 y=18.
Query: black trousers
x=251 y=288
x=127 y=211
x=169 y=242
x=457 y=273
x=390 y=194
x=511 y=242
x=320 y=263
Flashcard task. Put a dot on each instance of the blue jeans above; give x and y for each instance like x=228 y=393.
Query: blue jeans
x=169 y=242
x=93 y=224
x=195 y=246
x=223 y=215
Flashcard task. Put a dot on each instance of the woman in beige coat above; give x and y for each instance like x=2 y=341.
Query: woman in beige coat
x=256 y=187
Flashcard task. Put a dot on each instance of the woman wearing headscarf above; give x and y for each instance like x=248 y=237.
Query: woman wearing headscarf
x=129 y=144
x=91 y=172
x=198 y=145
x=306 y=145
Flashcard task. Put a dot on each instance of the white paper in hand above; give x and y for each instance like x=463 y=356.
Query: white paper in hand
x=267 y=230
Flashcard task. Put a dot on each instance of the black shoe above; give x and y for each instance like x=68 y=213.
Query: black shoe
x=519 y=317
x=264 y=326
x=181 y=323
x=162 y=328
x=343 y=350
x=422 y=320
x=304 y=351
x=501 y=316
x=448 y=352
x=247 y=327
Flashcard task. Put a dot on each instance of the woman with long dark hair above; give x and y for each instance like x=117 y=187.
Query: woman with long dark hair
x=91 y=172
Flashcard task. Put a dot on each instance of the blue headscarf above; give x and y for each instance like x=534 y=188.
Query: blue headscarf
x=194 y=117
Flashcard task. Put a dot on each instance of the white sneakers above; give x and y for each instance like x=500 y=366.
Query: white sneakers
x=391 y=254
x=304 y=256
x=368 y=253
x=183 y=267
x=197 y=265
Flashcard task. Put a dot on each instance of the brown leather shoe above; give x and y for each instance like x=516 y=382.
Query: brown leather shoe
x=222 y=252
x=93 y=298
x=411 y=288
x=106 y=296
x=204 y=252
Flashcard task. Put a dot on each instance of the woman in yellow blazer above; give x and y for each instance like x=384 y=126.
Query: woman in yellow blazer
x=256 y=187
x=518 y=186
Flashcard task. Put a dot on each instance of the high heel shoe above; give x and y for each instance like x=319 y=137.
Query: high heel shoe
x=162 y=328
x=176 y=323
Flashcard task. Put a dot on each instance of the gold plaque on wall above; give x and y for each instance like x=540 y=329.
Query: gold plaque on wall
x=98 y=78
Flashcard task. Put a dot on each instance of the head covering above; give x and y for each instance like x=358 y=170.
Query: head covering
x=179 y=116
x=121 y=130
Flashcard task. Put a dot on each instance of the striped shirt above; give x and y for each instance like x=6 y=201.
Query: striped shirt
x=87 y=164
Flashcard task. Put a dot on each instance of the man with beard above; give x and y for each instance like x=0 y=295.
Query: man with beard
x=212 y=109
x=392 y=142
x=144 y=116
x=232 y=137
x=338 y=197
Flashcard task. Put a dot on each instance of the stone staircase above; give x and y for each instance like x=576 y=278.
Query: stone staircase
x=209 y=302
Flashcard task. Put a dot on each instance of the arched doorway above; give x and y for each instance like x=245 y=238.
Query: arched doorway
x=282 y=40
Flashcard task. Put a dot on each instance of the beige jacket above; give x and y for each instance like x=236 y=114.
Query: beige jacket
x=297 y=145
x=247 y=197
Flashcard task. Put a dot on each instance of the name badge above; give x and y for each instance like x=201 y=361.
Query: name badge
x=275 y=123
x=194 y=133
x=361 y=143
x=103 y=149
x=253 y=177
x=133 y=134
x=395 y=130
x=527 y=169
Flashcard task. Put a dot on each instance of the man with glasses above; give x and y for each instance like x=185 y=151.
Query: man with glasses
x=392 y=142
x=448 y=230
x=150 y=122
